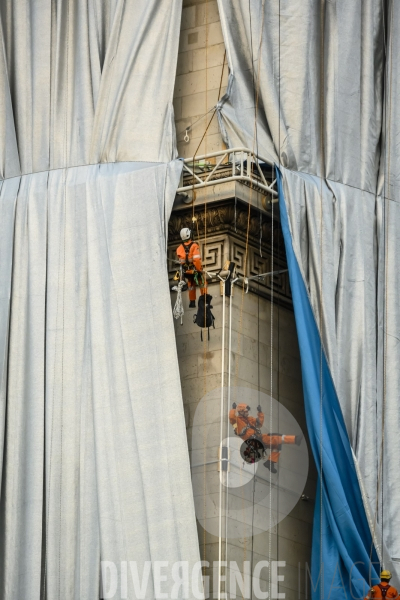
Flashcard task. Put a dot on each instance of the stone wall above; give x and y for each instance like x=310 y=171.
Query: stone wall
x=200 y=63
x=200 y=369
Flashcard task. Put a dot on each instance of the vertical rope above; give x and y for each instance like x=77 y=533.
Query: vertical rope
x=205 y=340
x=271 y=392
x=258 y=389
x=255 y=141
x=272 y=304
x=205 y=337
x=238 y=347
x=387 y=198
x=228 y=422
x=62 y=342
x=386 y=210
x=44 y=522
x=251 y=189
x=63 y=298
x=322 y=167
x=46 y=495
x=278 y=395
x=205 y=247
x=240 y=328
x=221 y=435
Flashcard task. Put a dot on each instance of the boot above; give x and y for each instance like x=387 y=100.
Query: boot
x=271 y=466
x=298 y=439
x=192 y=304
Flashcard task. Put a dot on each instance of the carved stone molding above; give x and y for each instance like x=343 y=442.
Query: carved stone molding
x=224 y=227
x=227 y=216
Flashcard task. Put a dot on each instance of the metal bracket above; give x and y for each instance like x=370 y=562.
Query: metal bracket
x=223 y=458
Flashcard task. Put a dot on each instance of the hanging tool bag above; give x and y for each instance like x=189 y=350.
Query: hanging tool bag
x=204 y=317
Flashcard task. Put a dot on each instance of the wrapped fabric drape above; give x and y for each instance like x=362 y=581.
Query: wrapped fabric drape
x=93 y=451
x=341 y=528
x=86 y=82
x=325 y=78
x=311 y=67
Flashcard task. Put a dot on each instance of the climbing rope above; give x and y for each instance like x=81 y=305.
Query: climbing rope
x=190 y=127
x=178 y=310
x=63 y=241
x=205 y=340
x=386 y=209
x=322 y=155
x=245 y=261
x=271 y=428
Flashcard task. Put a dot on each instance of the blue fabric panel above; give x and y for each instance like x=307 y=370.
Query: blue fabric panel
x=346 y=537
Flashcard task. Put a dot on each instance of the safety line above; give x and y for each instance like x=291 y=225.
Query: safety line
x=205 y=131
x=271 y=428
x=190 y=127
x=272 y=313
x=227 y=420
x=248 y=229
x=221 y=438
x=278 y=392
x=195 y=220
x=386 y=209
x=386 y=224
x=46 y=497
x=63 y=307
x=259 y=402
x=62 y=344
x=238 y=348
x=243 y=288
x=322 y=167
x=249 y=205
x=9 y=328
x=205 y=340
x=241 y=312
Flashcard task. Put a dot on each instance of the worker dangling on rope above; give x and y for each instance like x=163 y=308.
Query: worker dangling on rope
x=383 y=589
x=248 y=428
x=190 y=259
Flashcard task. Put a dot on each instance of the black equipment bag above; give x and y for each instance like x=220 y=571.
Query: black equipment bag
x=204 y=317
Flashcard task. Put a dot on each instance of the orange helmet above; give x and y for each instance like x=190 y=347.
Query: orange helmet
x=242 y=407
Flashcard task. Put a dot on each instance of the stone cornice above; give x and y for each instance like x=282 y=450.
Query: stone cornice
x=229 y=217
x=222 y=232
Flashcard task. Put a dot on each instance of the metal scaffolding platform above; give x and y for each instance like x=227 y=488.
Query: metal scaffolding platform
x=234 y=164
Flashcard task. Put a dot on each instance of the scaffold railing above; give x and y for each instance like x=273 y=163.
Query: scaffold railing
x=233 y=164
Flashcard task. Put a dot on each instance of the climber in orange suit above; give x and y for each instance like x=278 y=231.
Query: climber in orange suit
x=383 y=591
x=188 y=254
x=248 y=427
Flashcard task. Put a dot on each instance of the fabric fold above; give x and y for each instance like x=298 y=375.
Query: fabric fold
x=91 y=340
x=84 y=83
x=341 y=533
x=314 y=88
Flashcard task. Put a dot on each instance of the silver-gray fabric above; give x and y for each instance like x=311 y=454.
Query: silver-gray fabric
x=326 y=84
x=93 y=451
x=95 y=456
x=86 y=82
